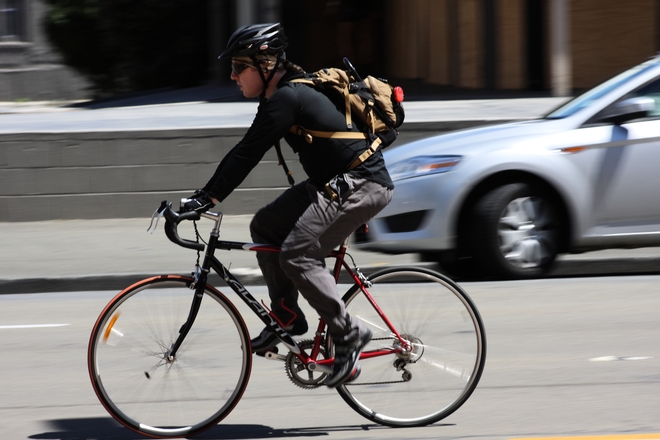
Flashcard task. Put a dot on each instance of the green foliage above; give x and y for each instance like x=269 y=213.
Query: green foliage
x=131 y=45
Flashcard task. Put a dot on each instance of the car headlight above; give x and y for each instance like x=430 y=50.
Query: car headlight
x=422 y=166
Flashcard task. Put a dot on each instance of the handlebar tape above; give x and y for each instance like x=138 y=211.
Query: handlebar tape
x=172 y=220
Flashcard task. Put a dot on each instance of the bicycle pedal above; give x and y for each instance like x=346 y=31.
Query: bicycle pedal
x=263 y=353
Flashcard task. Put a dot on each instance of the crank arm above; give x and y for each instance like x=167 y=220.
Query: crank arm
x=274 y=356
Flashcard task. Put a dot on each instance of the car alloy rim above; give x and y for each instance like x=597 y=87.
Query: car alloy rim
x=523 y=232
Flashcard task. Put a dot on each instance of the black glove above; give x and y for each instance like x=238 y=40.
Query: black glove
x=200 y=201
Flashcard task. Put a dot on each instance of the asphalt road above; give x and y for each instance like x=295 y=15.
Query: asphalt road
x=566 y=357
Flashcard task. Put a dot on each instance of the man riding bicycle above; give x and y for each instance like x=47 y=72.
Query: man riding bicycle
x=312 y=217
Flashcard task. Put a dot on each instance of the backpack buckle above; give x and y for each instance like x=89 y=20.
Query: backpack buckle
x=300 y=131
x=296 y=129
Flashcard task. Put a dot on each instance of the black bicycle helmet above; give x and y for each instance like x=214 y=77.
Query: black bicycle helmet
x=254 y=39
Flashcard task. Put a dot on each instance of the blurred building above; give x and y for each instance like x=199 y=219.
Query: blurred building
x=558 y=45
x=549 y=45
x=519 y=44
x=29 y=68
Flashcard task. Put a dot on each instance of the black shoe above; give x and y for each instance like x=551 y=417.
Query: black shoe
x=354 y=374
x=267 y=340
x=346 y=360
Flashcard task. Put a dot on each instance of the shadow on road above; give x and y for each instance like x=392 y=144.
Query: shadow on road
x=105 y=428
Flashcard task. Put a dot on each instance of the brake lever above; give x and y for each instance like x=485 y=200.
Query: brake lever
x=158 y=213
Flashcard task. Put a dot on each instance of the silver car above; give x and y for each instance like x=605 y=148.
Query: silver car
x=504 y=200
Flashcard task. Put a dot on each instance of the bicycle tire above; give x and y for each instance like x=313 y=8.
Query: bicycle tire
x=448 y=356
x=134 y=380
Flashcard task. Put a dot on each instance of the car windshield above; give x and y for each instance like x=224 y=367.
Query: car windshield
x=589 y=97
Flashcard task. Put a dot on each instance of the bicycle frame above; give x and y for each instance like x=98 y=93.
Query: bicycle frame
x=310 y=361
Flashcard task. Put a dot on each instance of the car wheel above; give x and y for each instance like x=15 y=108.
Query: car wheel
x=515 y=232
x=450 y=265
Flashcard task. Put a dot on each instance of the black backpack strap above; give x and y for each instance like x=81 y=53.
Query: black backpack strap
x=280 y=161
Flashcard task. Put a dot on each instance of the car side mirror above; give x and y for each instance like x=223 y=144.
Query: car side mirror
x=627 y=110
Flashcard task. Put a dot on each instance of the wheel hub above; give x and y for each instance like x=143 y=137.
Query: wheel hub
x=415 y=351
x=523 y=240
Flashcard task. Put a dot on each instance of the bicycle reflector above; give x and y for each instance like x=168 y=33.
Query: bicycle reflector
x=110 y=326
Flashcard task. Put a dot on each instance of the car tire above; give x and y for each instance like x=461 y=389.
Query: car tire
x=450 y=265
x=515 y=232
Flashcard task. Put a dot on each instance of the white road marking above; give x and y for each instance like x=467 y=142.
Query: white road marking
x=6 y=327
x=620 y=358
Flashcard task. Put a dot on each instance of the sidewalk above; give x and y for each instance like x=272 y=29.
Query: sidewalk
x=110 y=254
x=27 y=118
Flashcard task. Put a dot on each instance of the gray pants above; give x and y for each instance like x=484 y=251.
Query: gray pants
x=307 y=224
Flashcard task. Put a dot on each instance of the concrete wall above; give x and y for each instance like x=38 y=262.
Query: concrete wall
x=119 y=174
x=126 y=174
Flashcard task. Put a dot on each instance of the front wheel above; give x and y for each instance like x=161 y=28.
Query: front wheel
x=145 y=389
x=440 y=372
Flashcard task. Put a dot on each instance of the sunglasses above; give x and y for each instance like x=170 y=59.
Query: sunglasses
x=238 y=67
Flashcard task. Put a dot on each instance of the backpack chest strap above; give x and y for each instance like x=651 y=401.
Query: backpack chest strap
x=309 y=135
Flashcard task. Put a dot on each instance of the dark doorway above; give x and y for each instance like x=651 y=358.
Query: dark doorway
x=536 y=43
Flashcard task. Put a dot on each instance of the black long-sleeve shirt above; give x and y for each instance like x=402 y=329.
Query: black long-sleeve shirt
x=306 y=106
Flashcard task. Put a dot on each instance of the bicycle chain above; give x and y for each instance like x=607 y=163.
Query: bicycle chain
x=294 y=375
x=350 y=384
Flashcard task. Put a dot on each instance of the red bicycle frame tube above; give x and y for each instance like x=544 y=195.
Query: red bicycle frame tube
x=340 y=262
x=313 y=356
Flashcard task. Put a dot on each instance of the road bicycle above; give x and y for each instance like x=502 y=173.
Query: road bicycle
x=170 y=356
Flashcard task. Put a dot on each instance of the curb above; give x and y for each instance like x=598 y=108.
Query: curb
x=251 y=277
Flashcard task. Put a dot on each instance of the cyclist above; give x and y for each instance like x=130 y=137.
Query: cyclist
x=312 y=217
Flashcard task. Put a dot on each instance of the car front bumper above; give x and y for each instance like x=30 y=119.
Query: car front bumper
x=418 y=219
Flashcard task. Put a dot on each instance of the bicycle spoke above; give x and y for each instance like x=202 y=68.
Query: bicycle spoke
x=371 y=324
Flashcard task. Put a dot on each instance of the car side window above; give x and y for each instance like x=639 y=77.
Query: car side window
x=649 y=90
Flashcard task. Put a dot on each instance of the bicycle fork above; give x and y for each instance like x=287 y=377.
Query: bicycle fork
x=200 y=285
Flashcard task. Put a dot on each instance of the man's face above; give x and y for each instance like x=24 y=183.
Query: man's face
x=247 y=78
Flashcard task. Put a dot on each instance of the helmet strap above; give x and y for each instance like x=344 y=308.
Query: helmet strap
x=264 y=79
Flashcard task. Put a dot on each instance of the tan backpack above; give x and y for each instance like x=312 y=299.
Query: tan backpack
x=373 y=101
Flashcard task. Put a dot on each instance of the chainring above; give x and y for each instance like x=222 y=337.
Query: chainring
x=300 y=375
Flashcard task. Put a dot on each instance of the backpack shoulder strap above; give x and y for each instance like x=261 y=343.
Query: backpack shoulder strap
x=367 y=153
x=335 y=80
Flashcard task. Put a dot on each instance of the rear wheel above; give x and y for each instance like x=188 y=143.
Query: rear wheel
x=515 y=231
x=146 y=390
x=448 y=353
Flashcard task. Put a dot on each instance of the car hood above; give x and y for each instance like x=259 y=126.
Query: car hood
x=475 y=140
